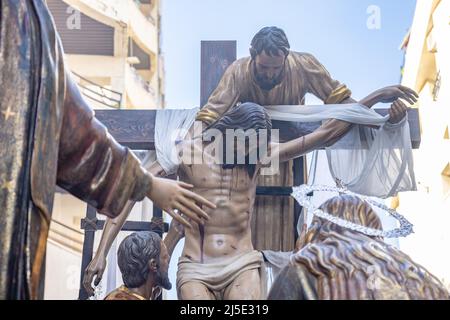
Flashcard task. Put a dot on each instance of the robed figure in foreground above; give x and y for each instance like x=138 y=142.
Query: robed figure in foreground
x=48 y=136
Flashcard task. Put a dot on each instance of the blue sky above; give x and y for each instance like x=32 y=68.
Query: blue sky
x=335 y=31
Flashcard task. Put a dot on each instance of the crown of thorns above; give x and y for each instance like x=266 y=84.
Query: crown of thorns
x=301 y=195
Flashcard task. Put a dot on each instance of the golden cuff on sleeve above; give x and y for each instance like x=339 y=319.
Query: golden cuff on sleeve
x=207 y=116
x=339 y=94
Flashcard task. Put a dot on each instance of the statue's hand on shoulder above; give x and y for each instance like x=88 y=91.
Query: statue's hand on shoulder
x=94 y=269
x=176 y=198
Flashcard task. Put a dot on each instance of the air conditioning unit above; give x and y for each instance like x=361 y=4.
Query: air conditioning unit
x=133 y=60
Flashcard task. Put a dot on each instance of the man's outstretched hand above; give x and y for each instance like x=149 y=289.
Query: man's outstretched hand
x=172 y=195
x=393 y=93
x=95 y=270
x=389 y=95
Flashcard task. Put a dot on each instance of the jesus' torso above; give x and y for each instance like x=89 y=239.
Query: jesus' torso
x=227 y=233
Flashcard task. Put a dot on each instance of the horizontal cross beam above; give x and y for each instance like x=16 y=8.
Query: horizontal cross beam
x=136 y=128
x=128 y=226
x=273 y=191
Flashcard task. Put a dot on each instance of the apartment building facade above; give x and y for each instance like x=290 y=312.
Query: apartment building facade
x=427 y=70
x=112 y=48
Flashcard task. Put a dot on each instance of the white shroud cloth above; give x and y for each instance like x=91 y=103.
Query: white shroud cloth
x=374 y=162
x=171 y=126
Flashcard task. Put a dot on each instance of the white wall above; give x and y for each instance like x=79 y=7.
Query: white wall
x=429 y=207
x=62 y=274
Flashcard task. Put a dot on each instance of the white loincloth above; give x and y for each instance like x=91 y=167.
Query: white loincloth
x=218 y=276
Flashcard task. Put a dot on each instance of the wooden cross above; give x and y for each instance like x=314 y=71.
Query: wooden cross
x=135 y=129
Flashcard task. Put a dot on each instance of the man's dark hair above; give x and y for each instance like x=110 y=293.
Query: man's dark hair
x=135 y=251
x=270 y=40
x=244 y=116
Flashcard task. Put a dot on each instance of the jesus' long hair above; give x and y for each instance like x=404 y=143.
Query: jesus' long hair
x=245 y=116
x=350 y=265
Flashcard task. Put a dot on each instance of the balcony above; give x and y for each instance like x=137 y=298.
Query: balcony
x=142 y=26
x=147 y=9
x=99 y=96
x=140 y=93
x=109 y=12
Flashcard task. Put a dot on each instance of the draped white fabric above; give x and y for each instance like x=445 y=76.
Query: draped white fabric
x=375 y=162
x=171 y=126
x=354 y=113
x=381 y=160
